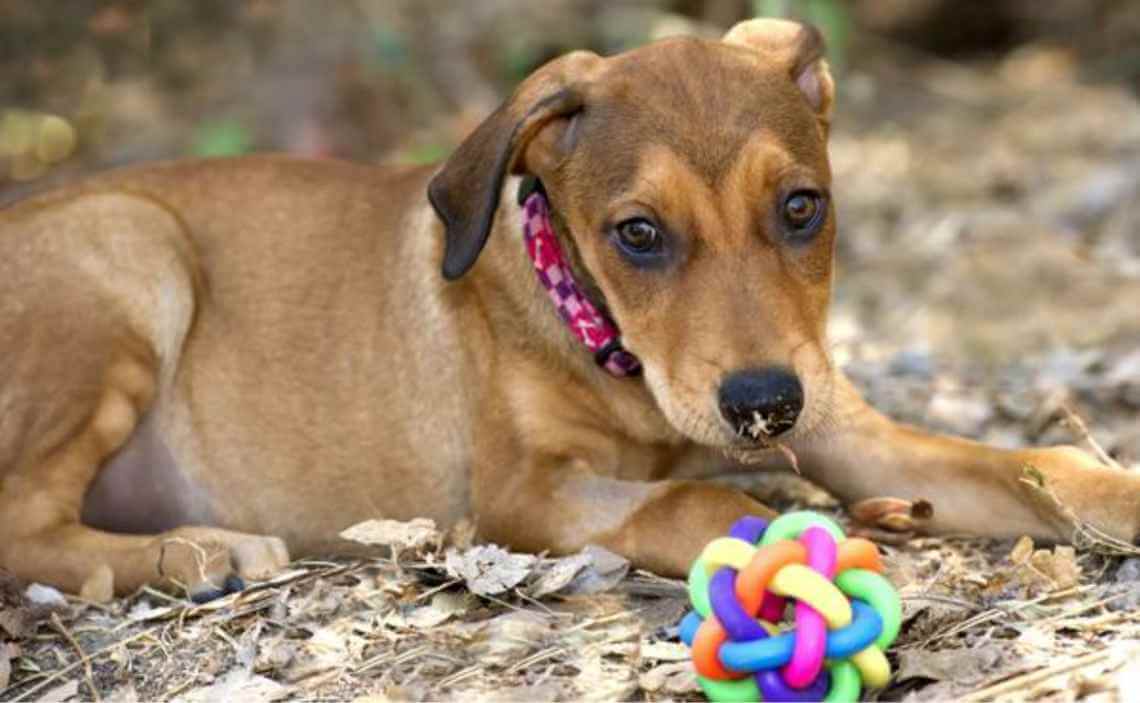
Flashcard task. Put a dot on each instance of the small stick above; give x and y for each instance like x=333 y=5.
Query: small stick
x=69 y=668
x=1075 y=423
x=83 y=658
x=1025 y=680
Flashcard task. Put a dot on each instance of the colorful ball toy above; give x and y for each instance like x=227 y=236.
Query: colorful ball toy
x=845 y=614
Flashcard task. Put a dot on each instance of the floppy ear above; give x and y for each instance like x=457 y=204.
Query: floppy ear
x=800 y=48
x=465 y=192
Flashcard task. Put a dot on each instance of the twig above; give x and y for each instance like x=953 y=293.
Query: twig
x=548 y=653
x=947 y=600
x=1074 y=422
x=994 y=613
x=441 y=587
x=69 y=668
x=460 y=675
x=1022 y=682
x=87 y=671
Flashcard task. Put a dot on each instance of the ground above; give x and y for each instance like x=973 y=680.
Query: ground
x=989 y=268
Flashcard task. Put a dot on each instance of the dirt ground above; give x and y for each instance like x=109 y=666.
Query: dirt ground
x=988 y=284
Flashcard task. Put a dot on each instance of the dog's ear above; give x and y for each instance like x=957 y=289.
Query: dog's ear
x=465 y=192
x=798 y=47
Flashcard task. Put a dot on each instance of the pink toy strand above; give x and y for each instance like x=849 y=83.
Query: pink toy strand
x=811 y=630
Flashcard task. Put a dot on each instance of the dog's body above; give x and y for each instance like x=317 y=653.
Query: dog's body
x=233 y=360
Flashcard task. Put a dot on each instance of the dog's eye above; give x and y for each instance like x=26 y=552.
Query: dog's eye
x=803 y=211
x=639 y=236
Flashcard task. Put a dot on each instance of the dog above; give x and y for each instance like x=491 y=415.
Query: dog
x=210 y=366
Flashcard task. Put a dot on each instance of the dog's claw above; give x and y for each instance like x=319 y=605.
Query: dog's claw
x=207 y=592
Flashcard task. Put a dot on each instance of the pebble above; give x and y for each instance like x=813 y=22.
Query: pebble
x=912 y=362
x=1126 y=588
x=39 y=594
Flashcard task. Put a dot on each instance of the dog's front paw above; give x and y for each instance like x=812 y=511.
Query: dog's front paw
x=1083 y=491
x=211 y=563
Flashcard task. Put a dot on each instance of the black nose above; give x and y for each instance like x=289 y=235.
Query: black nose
x=761 y=402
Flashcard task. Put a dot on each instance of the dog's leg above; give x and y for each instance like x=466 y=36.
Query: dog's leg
x=81 y=285
x=40 y=504
x=557 y=504
x=974 y=488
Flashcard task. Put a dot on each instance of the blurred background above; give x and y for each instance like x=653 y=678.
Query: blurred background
x=986 y=154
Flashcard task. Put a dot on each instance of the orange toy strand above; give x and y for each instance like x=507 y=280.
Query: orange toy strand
x=858 y=553
x=752 y=581
x=706 y=643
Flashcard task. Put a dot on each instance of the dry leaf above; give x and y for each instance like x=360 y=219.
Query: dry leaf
x=1059 y=566
x=559 y=574
x=489 y=569
x=963 y=665
x=605 y=571
x=593 y=570
x=61 y=693
x=673 y=678
x=5 y=665
x=664 y=651
x=18 y=623
x=274 y=656
x=508 y=638
x=237 y=685
x=123 y=694
x=393 y=533
x=1022 y=550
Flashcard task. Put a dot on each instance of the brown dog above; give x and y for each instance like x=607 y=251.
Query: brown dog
x=209 y=365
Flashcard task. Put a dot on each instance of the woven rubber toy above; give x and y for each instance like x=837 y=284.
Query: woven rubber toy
x=845 y=615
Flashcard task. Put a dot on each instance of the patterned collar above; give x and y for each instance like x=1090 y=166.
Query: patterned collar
x=594 y=329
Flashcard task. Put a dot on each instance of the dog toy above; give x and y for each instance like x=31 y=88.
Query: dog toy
x=845 y=613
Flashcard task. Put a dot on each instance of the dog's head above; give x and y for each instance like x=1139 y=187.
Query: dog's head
x=693 y=180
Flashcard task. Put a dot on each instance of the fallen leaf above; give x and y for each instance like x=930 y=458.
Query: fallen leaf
x=559 y=574
x=5 y=665
x=236 y=685
x=606 y=570
x=672 y=678
x=1060 y=565
x=664 y=651
x=123 y=694
x=61 y=693
x=393 y=533
x=443 y=606
x=19 y=623
x=275 y=655
x=962 y=665
x=1022 y=550
x=489 y=569
x=510 y=637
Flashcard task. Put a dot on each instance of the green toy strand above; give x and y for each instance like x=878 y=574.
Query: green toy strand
x=735 y=691
x=790 y=525
x=878 y=592
x=699 y=589
x=845 y=682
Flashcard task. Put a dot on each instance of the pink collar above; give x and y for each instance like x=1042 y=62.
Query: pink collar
x=595 y=330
